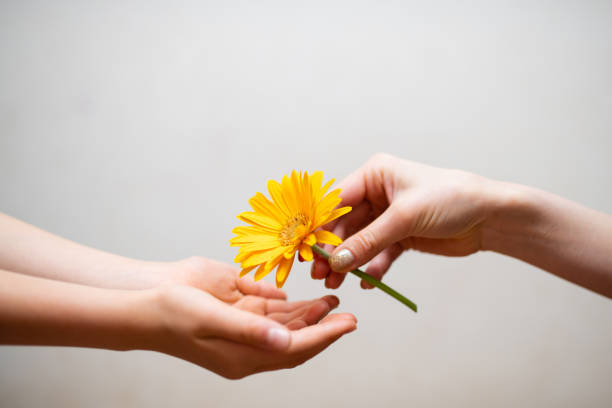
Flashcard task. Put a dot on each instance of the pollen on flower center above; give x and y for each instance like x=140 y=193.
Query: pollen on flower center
x=287 y=234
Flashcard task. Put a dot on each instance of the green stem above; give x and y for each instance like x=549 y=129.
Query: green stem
x=372 y=281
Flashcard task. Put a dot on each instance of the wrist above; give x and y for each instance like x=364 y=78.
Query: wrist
x=139 y=320
x=512 y=216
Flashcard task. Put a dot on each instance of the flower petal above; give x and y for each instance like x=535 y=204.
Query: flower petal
x=251 y=230
x=260 y=220
x=276 y=192
x=255 y=258
x=261 y=272
x=326 y=237
x=283 y=271
x=239 y=241
x=306 y=252
x=259 y=246
x=289 y=253
x=261 y=204
x=338 y=212
x=316 y=179
x=290 y=195
x=311 y=239
x=324 y=189
x=246 y=270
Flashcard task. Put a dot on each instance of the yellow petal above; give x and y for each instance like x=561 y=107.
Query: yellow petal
x=249 y=239
x=255 y=258
x=311 y=239
x=339 y=212
x=276 y=192
x=241 y=257
x=261 y=272
x=290 y=195
x=260 y=220
x=307 y=194
x=316 y=179
x=271 y=264
x=246 y=270
x=323 y=189
x=326 y=237
x=306 y=252
x=259 y=246
x=251 y=230
x=329 y=202
x=289 y=253
x=261 y=204
x=283 y=271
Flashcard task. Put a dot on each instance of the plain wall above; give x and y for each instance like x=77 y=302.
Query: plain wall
x=142 y=128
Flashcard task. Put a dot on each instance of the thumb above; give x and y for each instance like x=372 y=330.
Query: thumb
x=248 y=328
x=361 y=247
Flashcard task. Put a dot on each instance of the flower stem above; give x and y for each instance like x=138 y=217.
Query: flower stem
x=372 y=281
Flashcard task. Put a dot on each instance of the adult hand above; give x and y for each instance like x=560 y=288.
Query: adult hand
x=400 y=205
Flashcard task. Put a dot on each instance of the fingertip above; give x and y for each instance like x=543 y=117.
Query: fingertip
x=332 y=301
x=347 y=322
x=319 y=269
x=341 y=260
x=278 y=338
x=366 y=285
x=334 y=280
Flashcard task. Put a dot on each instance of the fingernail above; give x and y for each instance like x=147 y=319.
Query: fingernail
x=341 y=260
x=278 y=338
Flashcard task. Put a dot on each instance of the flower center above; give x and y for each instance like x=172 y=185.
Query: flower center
x=294 y=224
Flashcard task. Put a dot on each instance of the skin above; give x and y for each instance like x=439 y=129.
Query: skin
x=401 y=205
x=56 y=292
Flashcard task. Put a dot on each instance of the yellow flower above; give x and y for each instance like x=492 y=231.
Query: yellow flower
x=287 y=224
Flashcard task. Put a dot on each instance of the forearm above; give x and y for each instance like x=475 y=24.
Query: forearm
x=30 y=250
x=36 y=311
x=555 y=234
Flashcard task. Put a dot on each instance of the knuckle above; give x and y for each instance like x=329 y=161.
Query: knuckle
x=381 y=157
x=365 y=242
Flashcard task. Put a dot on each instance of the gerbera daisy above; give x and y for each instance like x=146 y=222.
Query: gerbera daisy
x=287 y=224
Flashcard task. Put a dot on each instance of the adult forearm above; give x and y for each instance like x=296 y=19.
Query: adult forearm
x=36 y=311
x=30 y=250
x=555 y=234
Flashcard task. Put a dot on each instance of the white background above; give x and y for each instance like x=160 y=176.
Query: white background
x=143 y=128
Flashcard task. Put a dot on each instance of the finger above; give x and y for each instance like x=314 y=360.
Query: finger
x=446 y=246
x=348 y=225
x=389 y=228
x=311 y=315
x=324 y=305
x=311 y=340
x=353 y=188
x=282 y=306
x=263 y=289
x=319 y=336
x=248 y=328
x=253 y=304
x=334 y=280
x=305 y=344
x=320 y=266
x=381 y=263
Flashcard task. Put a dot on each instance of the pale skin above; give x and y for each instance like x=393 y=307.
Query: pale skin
x=400 y=205
x=56 y=292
